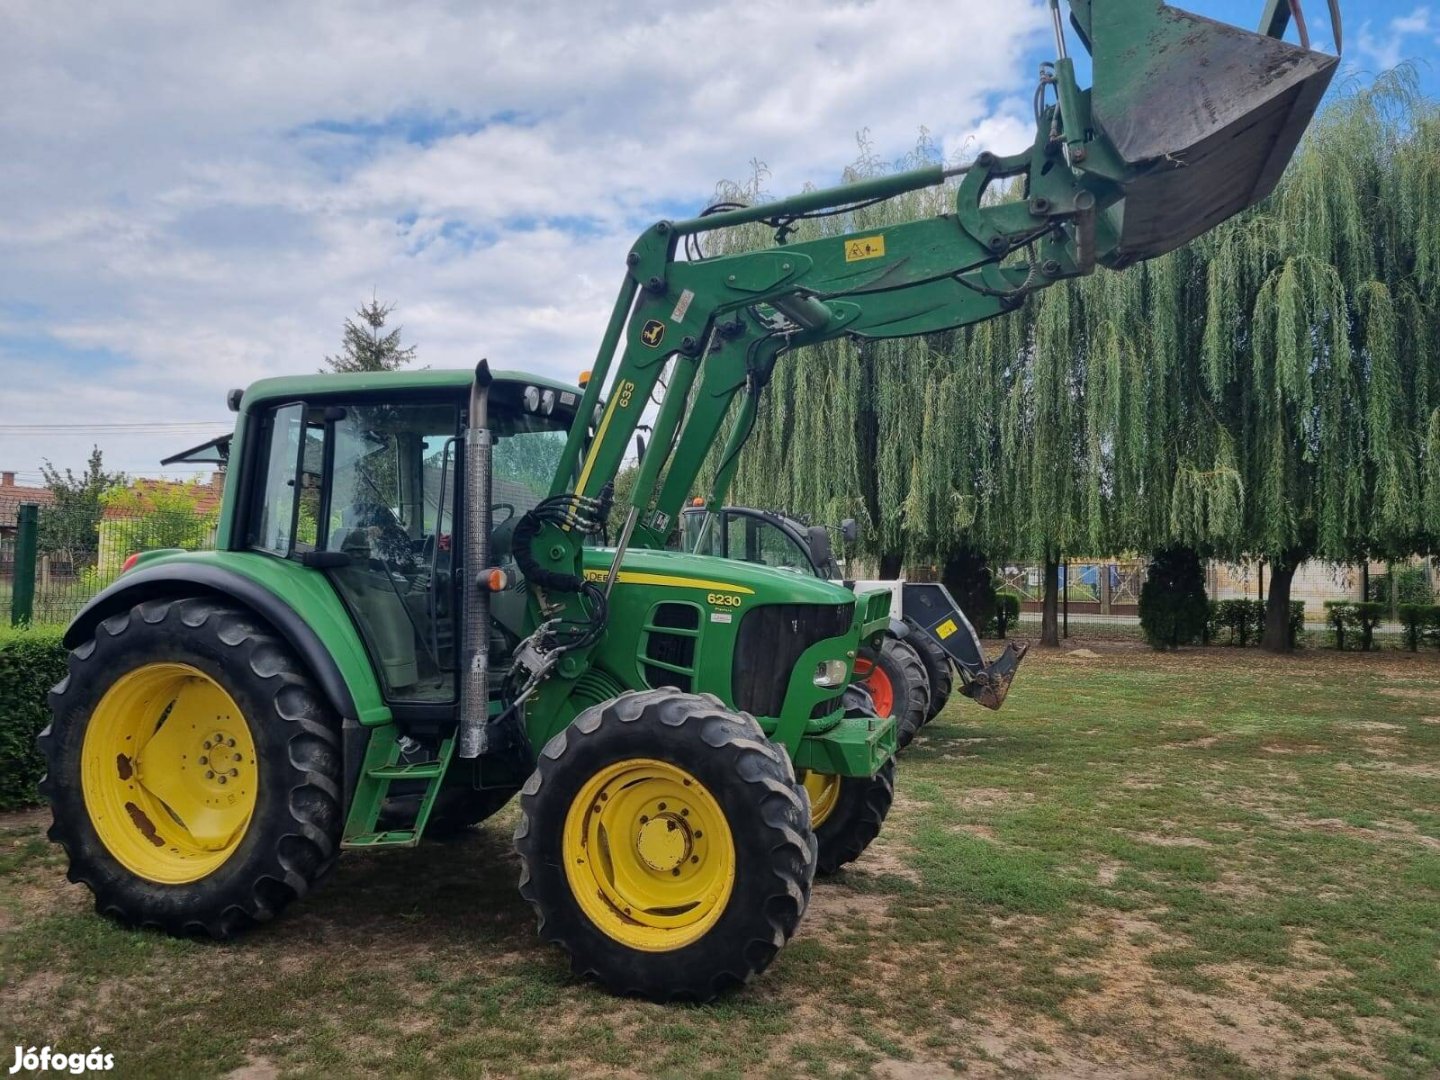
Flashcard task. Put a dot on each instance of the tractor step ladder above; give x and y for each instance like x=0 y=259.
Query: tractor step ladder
x=382 y=767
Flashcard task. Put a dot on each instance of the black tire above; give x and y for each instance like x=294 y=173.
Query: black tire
x=765 y=810
x=937 y=667
x=901 y=666
x=293 y=835
x=856 y=819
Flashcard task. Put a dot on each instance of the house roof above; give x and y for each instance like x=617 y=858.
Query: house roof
x=207 y=500
x=13 y=495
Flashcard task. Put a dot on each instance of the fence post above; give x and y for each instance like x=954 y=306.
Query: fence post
x=22 y=600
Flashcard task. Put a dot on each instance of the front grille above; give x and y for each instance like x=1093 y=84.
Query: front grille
x=769 y=643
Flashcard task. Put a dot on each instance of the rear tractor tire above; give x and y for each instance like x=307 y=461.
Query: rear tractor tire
x=194 y=770
x=895 y=678
x=848 y=812
x=665 y=845
x=937 y=667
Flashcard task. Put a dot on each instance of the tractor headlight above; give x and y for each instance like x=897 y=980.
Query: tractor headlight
x=830 y=673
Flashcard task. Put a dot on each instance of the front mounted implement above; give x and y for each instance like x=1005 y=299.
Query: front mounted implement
x=932 y=607
x=1201 y=117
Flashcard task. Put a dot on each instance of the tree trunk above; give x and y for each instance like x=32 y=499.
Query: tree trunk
x=1049 y=621
x=1277 y=605
x=890 y=566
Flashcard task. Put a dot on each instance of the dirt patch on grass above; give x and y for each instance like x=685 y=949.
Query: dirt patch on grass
x=1166 y=840
x=832 y=905
x=255 y=1069
x=1410 y=694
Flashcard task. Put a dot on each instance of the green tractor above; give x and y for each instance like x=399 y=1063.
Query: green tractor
x=410 y=605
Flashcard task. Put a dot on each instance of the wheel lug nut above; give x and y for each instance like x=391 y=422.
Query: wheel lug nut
x=661 y=806
x=209 y=775
x=229 y=742
x=206 y=744
x=204 y=760
x=236 y=757
x=234 y=772
x=222 y=779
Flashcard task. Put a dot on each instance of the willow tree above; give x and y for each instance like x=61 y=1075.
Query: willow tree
x=1318 y=352
x=1268 y=391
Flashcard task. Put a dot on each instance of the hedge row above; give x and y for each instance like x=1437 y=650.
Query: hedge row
x=31 y=662
x=1244 y=621
x=1356 y=618
x=1421 y=621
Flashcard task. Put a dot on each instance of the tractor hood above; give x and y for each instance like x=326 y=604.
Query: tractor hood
x=766 y=584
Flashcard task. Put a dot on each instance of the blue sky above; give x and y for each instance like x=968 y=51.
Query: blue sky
x=197 y=195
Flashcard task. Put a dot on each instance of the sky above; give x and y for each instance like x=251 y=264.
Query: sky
x=197 y=195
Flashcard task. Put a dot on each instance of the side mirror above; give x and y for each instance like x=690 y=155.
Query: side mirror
x=849 y=530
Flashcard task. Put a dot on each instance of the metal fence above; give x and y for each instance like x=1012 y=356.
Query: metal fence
x=53 y=560
x=1105 y=586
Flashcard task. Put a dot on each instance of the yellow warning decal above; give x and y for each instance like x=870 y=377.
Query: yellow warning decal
x=866 y=247
x=631 y=577
x=945 y=629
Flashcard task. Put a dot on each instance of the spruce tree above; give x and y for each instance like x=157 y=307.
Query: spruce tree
x=365 y=348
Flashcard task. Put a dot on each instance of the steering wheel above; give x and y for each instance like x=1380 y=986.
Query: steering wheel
x=507 y=517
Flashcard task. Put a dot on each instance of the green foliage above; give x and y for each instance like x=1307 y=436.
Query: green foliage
x=1420 y=620
x=69 y=526
x=365 y=348
x=1411 y=585
x=1242 y=622
x=1357 y=618
x=159 y=516
x=31 y=662
x=1173 y=608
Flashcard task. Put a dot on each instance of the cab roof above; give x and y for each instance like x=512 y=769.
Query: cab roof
x=294 y=387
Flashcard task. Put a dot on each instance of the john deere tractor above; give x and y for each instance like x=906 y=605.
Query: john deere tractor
x=408 y=603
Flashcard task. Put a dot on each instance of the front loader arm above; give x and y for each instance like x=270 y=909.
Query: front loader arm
x=1188 y=122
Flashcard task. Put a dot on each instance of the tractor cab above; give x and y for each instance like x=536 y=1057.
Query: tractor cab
x=759 y=536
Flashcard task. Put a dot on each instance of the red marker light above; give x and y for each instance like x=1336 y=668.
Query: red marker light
x=131 y=561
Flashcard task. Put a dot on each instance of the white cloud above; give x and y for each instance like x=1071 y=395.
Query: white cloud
x=1392 y=45
x=177 y=191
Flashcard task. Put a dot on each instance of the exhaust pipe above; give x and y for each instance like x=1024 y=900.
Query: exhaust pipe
x=475 y=672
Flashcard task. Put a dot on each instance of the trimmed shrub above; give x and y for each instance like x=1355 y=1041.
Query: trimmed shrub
x=1356 y=619
x=1007 y=612
x=1173 y=609
x=1244 y=621
x=1420 y=620
x=31 y=662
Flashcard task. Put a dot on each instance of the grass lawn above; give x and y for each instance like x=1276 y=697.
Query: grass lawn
x=1211 y=864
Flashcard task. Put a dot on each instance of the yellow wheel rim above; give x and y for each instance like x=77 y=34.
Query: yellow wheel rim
x=168 y=773
x=824 y=792
x=649 y=854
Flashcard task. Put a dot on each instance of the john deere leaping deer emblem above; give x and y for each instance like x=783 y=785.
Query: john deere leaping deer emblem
x=653 y=333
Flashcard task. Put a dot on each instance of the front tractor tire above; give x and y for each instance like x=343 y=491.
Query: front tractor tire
x=193 y=769
x=895 y=678
x=665 y=845
x=937 y=667
x=848 y=812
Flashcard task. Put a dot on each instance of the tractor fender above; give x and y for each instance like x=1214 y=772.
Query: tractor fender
x=181 y=577
x=898 y=628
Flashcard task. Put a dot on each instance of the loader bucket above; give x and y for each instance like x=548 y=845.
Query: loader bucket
x=990 y=684
x=1204 y=116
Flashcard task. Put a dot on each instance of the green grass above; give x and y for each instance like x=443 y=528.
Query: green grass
x=1212 y=864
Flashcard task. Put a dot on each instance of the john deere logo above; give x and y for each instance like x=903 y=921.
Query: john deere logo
x=652 y=333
